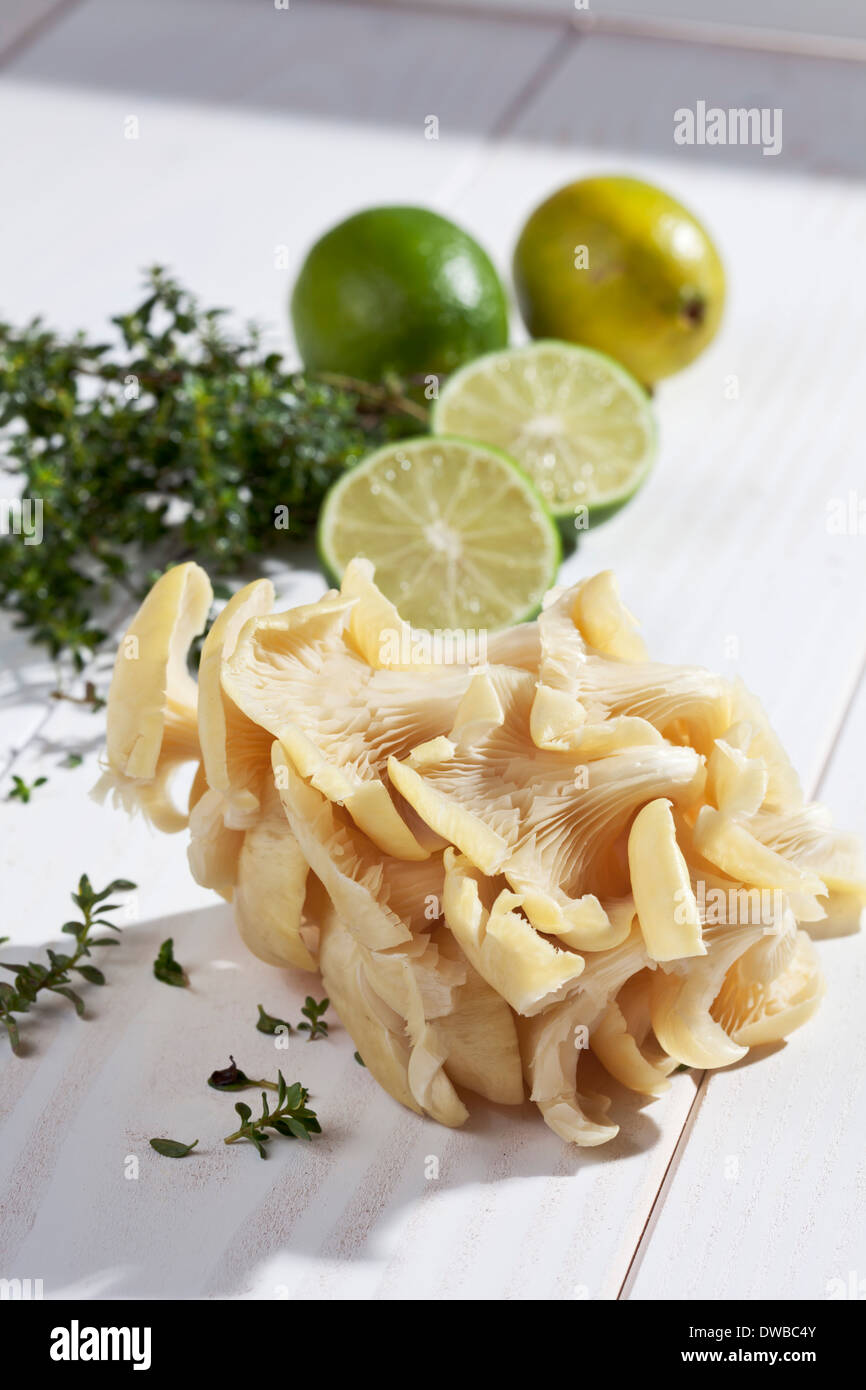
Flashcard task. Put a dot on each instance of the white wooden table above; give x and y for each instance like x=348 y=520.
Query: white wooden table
x=258 y=128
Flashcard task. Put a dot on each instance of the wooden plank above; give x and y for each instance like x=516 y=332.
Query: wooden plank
x=567 y=1206
x=256 y=130
x=792 y=25
x=23 y=22
x=511 y=1213
x=620 y=93
x=766 y=1197
x=725 y=554
x=356 y=1215
x=350 y=1218
x=514 y=1213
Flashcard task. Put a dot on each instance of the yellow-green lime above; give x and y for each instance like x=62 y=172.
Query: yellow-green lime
x=459 y=536
x=621 y=266
x=576 y=422
x=397 y=290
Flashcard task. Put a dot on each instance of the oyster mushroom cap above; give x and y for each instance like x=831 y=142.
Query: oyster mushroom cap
x=501 y=944
x=270 y=892
x=151 y=723
x=667 y=909
x=679 y=701
x=402 y=1047
x=387 y=641
x=552 y=824
x=349 y=866
x=214 y=849
x=429 y=1081
x=378 y=1033
x=552 y=1043
x=620 y=1055
x=501 y=860
x=784 y=792
x=771 y=989
x=479 y=1034
x=300 y=676
x=235 y=750
x=731 y=846
x=682 y=995
x=604 y=621
x=736 y=782
x=376 y=630
x=807 y=838
x=624 y=1043
x=558 y=722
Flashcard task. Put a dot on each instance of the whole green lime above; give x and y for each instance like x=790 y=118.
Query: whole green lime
x=619 y=265
x=396 y=289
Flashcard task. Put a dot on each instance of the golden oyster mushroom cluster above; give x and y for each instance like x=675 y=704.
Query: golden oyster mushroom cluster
x=498 y=866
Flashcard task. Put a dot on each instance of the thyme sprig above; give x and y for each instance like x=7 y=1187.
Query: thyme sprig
x=175 y=439
x=21 y=790
x=35 y=978
x=315 y=1026
x=291 y=1118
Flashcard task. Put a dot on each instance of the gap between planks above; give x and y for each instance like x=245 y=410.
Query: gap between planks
x=35 y=30
x=711 y=33
x=550 y=65
x=670 y=1172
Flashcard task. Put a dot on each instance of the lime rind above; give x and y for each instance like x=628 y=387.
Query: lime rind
x=527 y=522
x=396 y=289
x=600 y=501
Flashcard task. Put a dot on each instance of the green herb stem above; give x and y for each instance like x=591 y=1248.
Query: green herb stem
x=33 y=979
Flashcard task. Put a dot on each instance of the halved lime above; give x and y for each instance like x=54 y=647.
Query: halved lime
x=459 y=536
x=575 y=420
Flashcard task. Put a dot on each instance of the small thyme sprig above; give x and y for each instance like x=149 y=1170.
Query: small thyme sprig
x=21 y=790
x=33 y=978
x=291 y=1118
x=90 y=699
x=313 y=1012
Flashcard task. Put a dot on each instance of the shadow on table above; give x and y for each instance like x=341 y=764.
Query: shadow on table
x=211 y=1224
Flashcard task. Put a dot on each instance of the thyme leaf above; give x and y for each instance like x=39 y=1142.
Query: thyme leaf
x=231 y=1078
x=268 y=1024
x=167 y=969
x=172 y=1148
